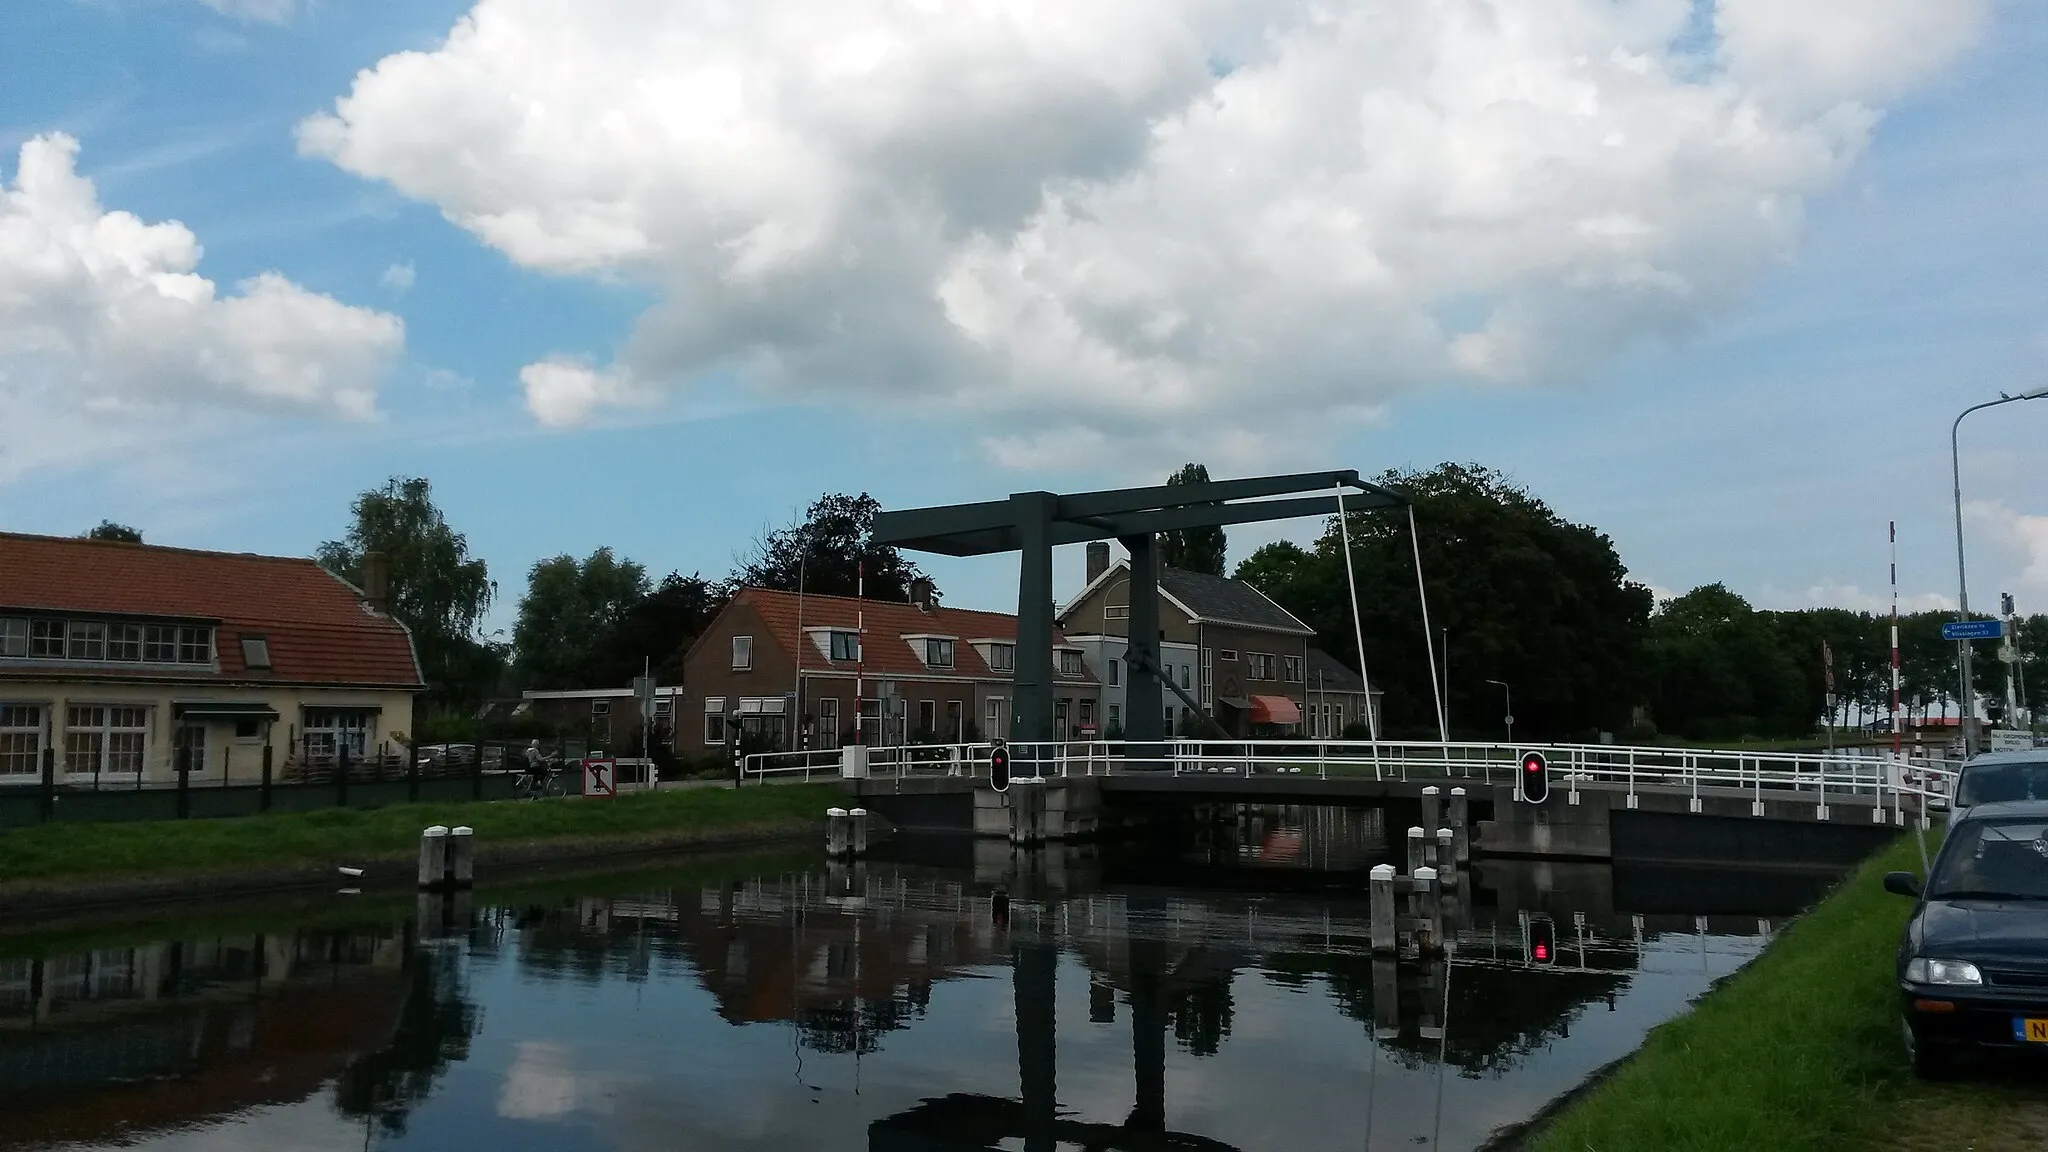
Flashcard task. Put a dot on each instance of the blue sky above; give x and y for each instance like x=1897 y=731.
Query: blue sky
x=1762 y=439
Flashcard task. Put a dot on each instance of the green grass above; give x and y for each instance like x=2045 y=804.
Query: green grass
x=1801 y=1049
x=156 y=849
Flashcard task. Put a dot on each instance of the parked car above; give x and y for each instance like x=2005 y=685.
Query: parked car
x=2001 y=776
x=1972 y=965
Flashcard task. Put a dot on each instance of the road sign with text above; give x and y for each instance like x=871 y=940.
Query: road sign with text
x=1973 y=630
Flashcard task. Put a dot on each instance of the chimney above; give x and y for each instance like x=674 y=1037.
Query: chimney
x=377 y=580
x=1098 y=559
x=921 y=594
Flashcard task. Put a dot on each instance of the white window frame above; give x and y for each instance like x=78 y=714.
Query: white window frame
x=21 y=735
x=195 y=644
x=992 y=719
x=828 y=719
x=938 y=652
x=1002 y=657
x=338 y=727
x=46 y=639
x=928 y=716
x=255 y=652
x=14 y=637
x=600 y=708
x=743 y=653
x=159 y=644
x=714 y=710
x=1115 y=718
x=1066 y=657
x=91 y=734
x=842 y=646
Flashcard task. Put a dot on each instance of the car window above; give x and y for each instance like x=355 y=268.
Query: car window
x=1993 y=858
x=1994 y=783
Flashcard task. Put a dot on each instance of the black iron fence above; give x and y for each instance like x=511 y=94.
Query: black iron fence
x=295 y=778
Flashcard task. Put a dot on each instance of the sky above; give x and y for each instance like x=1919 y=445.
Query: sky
x=1714 y=277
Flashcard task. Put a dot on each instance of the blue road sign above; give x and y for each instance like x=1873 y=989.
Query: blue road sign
x=1973 y=630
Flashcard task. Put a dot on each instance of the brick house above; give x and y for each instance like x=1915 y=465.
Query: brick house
x=783 y=669
x=123 y=657
x=608 y=718
x=1241 y=656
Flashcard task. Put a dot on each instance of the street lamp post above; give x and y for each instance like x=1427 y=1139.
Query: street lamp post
x=1966 y=701
x=1509 y=696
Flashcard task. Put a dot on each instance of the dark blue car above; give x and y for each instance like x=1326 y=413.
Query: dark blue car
x=1973 y=963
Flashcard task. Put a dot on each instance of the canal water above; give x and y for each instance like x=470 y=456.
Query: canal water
x=1212 y=992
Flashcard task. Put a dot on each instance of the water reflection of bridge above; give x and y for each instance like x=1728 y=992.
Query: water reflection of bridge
x=851 y=955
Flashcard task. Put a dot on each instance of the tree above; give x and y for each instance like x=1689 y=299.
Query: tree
x=826 y=551
x=121 y=533
x=1193 y=549
x=570 y=607
x=436 y=588
x=658 y=630
x=1528 y=598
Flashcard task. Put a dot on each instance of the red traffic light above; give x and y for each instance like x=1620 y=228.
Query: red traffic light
x=1535 y=777
x=1543 y=953
x=1542 y=940
x=999 y=769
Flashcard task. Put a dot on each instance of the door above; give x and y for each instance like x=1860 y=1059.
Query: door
x=188 y=746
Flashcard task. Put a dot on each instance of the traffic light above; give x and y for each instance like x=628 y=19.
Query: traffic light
x=1542 y=940
x=999 y=769
x=1535 y=777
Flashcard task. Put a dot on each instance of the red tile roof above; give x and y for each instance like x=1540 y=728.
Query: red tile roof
x=319 y=629
x=887 y=622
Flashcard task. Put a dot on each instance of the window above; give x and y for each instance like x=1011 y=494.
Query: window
x=1070 y=662
x=714 y=719
x=88 y=640
x=99 y=739
x=956 y=721
x=1208 y=678
x=13 y=636
x=1116 y=716
x=664 y=707
x=1261 y=666
x=1169 y=719
x=1114 y=675
x=1087 y=713
x=329 y=730
x=1059 y=719
x=124 y=642
x=828 y=720
x=928 y=716
x=1290 y=669
x=1185 y=671
x=1116 y=611
x=159 y=644
x=845 y=646
x=1002 y=657
x=46 y=639
x=994 y=726
x=938 y=653
x=742 y=653
x=195 y=645
x=248 y=729
x=600 y=707
x=255 y=652
x=1227 y=654
x=21 y=740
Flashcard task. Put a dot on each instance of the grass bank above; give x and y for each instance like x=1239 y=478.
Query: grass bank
x=65 y=853
x=1801 y=1049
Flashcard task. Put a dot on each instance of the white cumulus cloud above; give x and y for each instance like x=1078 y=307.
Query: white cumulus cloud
x=398 y=278
x=104 y=316
x=2017 y=557
x=1244 y=220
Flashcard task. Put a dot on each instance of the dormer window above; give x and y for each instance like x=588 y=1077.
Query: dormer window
x=938 y=653
x=1002 y=657
x=845 y=646
x=1070 y=662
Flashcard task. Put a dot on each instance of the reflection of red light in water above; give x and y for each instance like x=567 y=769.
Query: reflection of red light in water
x=1284 y=844
x=1542 y=952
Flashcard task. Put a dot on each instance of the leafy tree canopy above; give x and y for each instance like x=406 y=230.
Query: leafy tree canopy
x=825 y=551
x=122 y=533
x=1193 y=549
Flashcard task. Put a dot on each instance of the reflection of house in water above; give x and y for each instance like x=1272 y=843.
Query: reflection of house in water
x=846 y=957
x=116 y=1042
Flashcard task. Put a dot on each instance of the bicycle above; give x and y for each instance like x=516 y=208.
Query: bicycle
x=536 y=782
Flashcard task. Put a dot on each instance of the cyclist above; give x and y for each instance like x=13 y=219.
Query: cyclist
x=538 y=775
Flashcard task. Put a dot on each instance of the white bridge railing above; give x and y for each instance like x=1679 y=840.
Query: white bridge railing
x=1856 y=776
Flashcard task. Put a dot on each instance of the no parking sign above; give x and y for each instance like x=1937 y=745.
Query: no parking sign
x=600 y=777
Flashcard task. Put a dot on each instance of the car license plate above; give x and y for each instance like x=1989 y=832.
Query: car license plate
x=2030 y=1030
